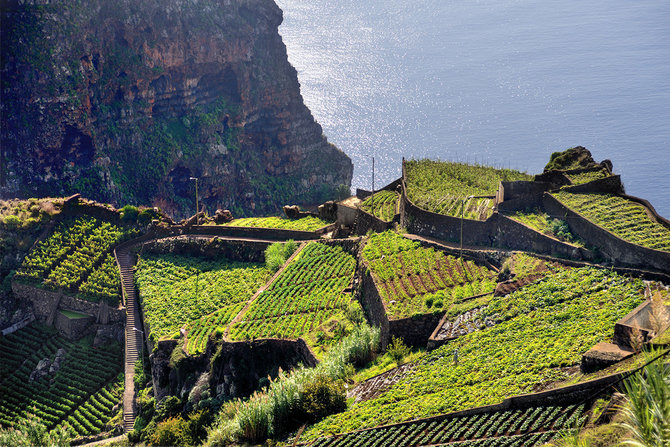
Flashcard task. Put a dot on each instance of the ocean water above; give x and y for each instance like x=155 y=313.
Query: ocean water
x=502 y=82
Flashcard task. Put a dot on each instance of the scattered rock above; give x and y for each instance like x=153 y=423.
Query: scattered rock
x=222 y=216
x=328 y=211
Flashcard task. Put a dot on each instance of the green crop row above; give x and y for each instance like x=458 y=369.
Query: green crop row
x=16 y=347
x=177 y=290
x=627 y=219
x=540 y=328
x=199 y=330
x=83 y=372
x=414 y=279
x=588 y=176
x=104 y=284
x=308 y=292
x=494 y=428
x=440 y=187
x=92 y=417
x=76 y=256
x=382 y=205
x=309 y=223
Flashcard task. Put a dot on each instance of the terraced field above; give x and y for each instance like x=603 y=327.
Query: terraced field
x=624 y=218
x=309 y=223
x=512 y=428
x=412 y=279
x=181 y=290
x=80 y=392
x=382 y=205
x=77 y=258
x=312 y=289
x=542 y=222
x=588 y=176
x=539 y=329
x=441 y=187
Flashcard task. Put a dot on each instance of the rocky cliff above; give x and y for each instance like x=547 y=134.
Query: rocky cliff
x=124 y=101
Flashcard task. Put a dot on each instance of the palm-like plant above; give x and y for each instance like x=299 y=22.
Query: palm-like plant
x=647 y=411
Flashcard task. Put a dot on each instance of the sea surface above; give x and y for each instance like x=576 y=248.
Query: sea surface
x=502 y=82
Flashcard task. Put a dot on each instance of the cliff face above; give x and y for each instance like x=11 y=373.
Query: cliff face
x=125 y=101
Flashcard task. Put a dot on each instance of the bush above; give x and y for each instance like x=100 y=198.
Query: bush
x=129 y=213
x=322 y=397
x=398 y=350
x=12 y=222
x=173 y=431
x=168 y=407
x=277 y=254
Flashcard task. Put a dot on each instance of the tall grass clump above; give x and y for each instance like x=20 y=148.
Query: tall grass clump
x=277 y=254
x=304 y=395
x=647 y=410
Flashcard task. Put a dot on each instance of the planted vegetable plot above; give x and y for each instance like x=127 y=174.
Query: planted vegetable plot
x=309 y=291
x=309 y=223
x=197 y=332
x=528 y=427
x=77 y=255
x=382 y=205
x=177 y=290
x=441 y=186
x=588 y=176
x=627 y=219
x=66 y=383
x=540 y=328
x=542 y=222
x=412 y=279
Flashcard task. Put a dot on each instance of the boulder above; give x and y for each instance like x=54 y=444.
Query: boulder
x=328 y=211
x=222 y=216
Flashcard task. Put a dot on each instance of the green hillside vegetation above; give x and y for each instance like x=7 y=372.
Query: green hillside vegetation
x=309 y=223
x=77 y=255
x=507 y=428
x=541 y=328
x=310 y=291
x=624 y=218
x=382 y=205
x=542 y=222
x=412 y=279
x=80 y=394
x=177 y=290
x=588 y=176
x=440 y=187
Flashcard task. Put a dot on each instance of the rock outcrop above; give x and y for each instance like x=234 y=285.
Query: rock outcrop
x=128 y=101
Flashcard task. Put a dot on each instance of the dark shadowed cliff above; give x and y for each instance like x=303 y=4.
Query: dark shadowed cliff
x=123 y=101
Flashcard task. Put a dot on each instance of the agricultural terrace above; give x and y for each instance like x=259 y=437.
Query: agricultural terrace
x=540 y=329
x=309 y=223
x=383 y=205
x=311 y=290
x=77 y=258
x=624 y=218
x=179 y=290
x=525 y=266
x=588 y=176
x=440 y=187
x=542 y=222
x=81 y=393
x=527 y=428
x=412 y=279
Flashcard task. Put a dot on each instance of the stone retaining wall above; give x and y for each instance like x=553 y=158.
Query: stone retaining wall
x=611 y=185
x=615 y=249
x=72 y=328
x=415 y=330
x=44 y=303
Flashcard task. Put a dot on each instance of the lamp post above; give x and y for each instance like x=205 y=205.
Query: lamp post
x=372 y=207
x=196 y=193
x=463 y=209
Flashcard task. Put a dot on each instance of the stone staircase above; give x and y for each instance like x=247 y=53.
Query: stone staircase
x=133 y=337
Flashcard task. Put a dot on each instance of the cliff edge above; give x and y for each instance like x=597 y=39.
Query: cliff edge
x=125 y=101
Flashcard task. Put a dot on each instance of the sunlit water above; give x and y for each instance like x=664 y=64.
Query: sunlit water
x=498 y=81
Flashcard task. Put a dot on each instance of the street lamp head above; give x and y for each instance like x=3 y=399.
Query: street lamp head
x=193 y=178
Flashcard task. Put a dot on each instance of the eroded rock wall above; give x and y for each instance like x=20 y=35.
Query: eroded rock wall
x=125 y=101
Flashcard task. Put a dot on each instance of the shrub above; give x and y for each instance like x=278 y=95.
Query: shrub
x=277 y=254
x=129 y=213
x=12 y=222
x=322 y=397
x=173 y=431
x=168 y=407
x=398 y=350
